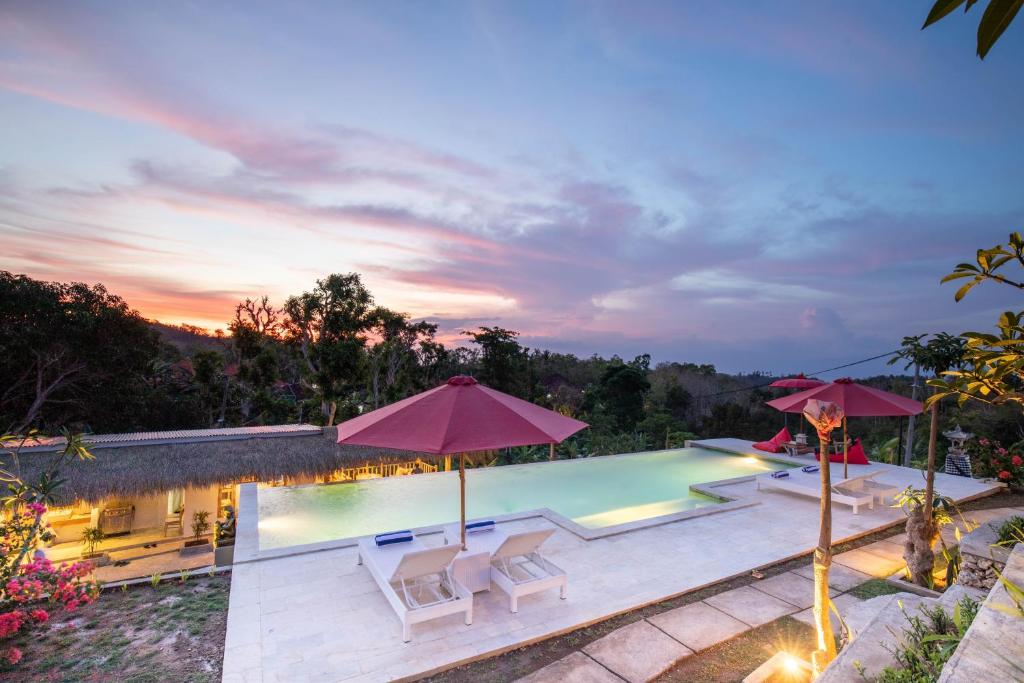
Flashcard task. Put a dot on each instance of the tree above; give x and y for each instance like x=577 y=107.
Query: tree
x=825 y=418
x=993 y=367
x=503 y=362
x=257 y=345
x=622 y=390
x=998 y=15
x=394 y=358
x=329 y=327
x=62 y=343
x=941 y=353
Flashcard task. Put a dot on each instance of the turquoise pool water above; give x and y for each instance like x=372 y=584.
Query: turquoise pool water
x=594 y=492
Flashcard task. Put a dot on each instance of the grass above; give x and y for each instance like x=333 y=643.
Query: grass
x=173 y=631
x=732 y=660
x=873 y=589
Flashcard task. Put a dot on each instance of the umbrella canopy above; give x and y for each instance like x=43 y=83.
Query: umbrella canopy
x=856 y=400
x=460 y=416
x=797 y=382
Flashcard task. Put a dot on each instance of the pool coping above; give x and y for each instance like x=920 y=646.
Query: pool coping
x=247 y=548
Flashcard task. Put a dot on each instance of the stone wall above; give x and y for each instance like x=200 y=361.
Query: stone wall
x=979 y=560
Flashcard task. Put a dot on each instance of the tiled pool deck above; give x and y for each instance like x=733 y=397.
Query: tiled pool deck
x=320 y=617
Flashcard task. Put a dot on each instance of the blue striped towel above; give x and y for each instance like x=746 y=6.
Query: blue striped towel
x=474 y=527
x=393 y=537
x=809 y=469
x=779 y=475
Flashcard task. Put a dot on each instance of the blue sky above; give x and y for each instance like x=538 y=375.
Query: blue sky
x=764 y=186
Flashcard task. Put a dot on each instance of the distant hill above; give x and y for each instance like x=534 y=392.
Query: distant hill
x=187 y=338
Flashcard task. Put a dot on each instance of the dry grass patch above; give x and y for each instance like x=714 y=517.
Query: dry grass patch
x=173 y=632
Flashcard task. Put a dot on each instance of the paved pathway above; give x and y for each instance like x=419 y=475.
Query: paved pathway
x=647 y=648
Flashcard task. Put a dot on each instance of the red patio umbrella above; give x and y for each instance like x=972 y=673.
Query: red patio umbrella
x=856 y=400
x=460 y=416
x=797 y=382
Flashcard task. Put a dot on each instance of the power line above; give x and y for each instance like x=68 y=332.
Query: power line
x=817 y=372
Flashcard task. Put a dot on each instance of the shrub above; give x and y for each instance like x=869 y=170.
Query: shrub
x=928 y=643
x=32 y=587
x=990 y=459
x=200 y=523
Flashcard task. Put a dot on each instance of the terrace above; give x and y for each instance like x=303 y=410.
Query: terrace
x=310 y=612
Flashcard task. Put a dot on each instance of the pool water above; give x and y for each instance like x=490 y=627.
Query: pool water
x=594 y=492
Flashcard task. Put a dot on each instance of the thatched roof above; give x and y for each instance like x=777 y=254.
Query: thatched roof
x=141 y=468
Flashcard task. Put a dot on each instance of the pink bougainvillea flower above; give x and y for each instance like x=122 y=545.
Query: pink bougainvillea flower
x=13 y=656
x=1004 y=475
x=1001 y=451
x=1017 y=461
x=983 y=441
x=40 y=615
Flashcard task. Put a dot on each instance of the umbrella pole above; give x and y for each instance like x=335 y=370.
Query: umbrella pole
x=462 y=496
x=845 y=449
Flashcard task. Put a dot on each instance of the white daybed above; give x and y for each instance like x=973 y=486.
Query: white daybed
x=848 y=491
x=416 y=580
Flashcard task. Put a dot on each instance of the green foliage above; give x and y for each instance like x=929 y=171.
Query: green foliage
x=993 y=369
x=1011 y=532
x=928 y=642
x=91 y=537
x=874 y=588
x=622 y=390
x=62 y=344
x=503 y=361
x=200 y=523
x=998 y=15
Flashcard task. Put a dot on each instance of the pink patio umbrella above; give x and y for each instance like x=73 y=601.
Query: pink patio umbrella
x=856 y=400
x=796 y=382
x=460 y=416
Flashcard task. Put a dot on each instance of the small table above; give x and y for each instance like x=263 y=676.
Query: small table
x=472 y=567
x=473 y=570
x=793 y=448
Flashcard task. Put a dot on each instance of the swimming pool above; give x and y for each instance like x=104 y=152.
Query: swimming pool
x=593 y=492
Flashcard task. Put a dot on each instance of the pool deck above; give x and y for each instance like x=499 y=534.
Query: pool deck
x=318 y=616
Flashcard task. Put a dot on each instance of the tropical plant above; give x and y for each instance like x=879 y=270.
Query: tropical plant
x=928 y=642
x=200 y=523
x=942 y=509
x=993 y=368
x=825 y=418
x=91 y=537
x=998 y=15
x=941 y=353
x=1011 y=532
x=32 y=587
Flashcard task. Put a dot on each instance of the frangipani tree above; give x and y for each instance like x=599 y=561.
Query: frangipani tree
x=824 y=417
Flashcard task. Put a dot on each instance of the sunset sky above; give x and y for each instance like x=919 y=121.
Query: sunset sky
x=760 y=185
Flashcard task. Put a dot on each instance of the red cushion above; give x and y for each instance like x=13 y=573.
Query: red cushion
x=854 y=456
x=774 y=444
x=782 y=437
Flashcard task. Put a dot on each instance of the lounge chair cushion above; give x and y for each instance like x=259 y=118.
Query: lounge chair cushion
x=774 y=444
x=854 y=456
x=392 y=537
x=475 y=527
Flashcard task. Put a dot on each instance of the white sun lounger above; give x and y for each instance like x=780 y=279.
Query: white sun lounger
x=518 y=568
x=846 y=491
x=416 y=580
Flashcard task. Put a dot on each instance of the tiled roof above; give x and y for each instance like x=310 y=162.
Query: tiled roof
x=178 y=436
